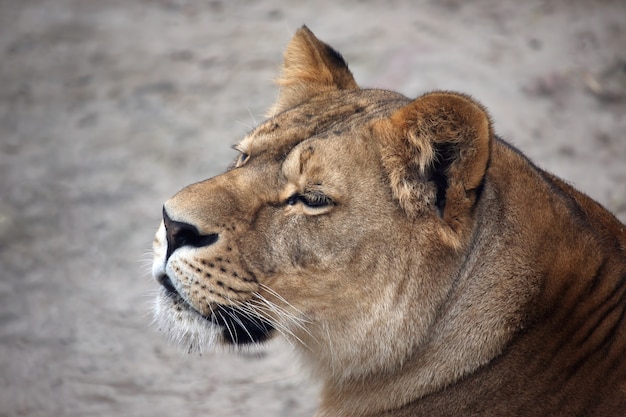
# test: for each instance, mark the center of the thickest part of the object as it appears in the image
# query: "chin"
(226, 327)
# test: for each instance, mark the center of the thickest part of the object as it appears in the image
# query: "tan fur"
(420, 265)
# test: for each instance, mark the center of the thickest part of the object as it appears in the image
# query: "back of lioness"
(419, 265)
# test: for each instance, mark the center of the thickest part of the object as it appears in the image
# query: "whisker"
(280, 297)
(252, 314)
(245, 310)
(233, 338)
(246, 125)
(273, 308)
(146, 257)
(299, 318)
(145, 263)
(257, 321)
(151, 294)
(258, 309)
(270, 379)
(295, 320)
(240, 323)
(252, 116)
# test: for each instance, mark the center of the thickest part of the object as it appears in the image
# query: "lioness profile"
(419, 264)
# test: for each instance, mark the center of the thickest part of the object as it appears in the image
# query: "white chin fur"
(186, 327)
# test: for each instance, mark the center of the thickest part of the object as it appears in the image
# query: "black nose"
(181, 234)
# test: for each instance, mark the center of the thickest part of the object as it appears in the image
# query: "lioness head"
(306, 235)
(366, 229)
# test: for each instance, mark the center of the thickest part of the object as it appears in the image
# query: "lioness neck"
(485, 353)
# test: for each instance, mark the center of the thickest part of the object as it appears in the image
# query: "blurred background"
(109, 107)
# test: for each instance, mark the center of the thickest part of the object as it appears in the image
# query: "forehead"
(330, 114)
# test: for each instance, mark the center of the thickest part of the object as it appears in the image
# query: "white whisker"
(330, 345)
(280, 297)
(280, 327)
(251, 313)
(232, 336)
(252, 117)
(151, 294)
(246, 125)
(285, 316)
(240, 323)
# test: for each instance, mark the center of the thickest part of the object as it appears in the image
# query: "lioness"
(419, 264)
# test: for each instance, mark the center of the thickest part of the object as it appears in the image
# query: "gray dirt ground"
(108, 107)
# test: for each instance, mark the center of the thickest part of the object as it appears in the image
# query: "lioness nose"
(181, 234)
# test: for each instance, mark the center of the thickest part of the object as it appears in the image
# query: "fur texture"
(419, 264)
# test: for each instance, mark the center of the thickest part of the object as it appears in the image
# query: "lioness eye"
(313, 200)
(243, 157)
(292, 200)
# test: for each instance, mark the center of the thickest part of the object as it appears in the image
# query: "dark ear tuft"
(335, 59)
(310, 67)
(444, 157)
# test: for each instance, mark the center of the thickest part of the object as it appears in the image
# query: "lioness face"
(330, 225)
(275, 243)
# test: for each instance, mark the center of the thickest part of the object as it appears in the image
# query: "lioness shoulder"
(420, 265)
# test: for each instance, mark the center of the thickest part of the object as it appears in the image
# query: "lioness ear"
(310, 67)
(436, 150)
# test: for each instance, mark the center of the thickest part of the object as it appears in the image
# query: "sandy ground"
(108, 107)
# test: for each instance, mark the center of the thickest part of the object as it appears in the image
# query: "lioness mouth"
(166, 282)
(238, 327)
